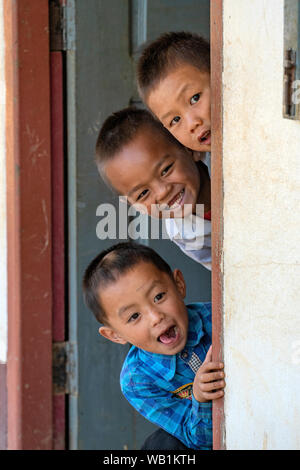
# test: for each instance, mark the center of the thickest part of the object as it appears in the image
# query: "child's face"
(155, 175)
(145, 307)
(181, 101)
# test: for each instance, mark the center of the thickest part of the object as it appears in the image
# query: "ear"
(197, 156)
(180, 282)
(110, 334)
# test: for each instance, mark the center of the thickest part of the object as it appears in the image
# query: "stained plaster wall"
(261, 233)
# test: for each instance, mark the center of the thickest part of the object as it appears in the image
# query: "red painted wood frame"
(58, 245)
(58, 229)
(29, 361)
(216, 37)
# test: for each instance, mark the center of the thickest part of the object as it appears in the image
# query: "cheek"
(142, 208)
(181, 135)
(206, 107)
(187, 139)
(189, 174)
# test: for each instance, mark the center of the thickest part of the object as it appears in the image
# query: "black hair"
(109, 265)
(165, 53)
(120, 128)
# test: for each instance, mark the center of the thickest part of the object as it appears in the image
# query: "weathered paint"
(58, 222)
(3, 238)
(29, 358)
(261, 170)
(3, 244)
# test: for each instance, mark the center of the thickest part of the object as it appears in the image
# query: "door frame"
(217, 190)
(29, 360)
(29, 258)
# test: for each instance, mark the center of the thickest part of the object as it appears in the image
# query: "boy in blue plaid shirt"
(168, 375)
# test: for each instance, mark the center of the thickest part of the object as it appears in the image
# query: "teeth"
(205, 135)
(178, 199)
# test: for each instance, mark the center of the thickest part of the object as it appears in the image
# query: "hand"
(208, 383)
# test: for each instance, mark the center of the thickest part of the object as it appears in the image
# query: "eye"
(165, 170)
(175, 120)
(195, 98)
(159, 296)
(142, 194)
(133, 317)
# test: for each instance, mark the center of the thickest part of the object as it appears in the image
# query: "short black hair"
(120, 128)
(109, 265)
(165, 53)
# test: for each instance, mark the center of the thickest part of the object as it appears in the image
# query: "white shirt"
(193, 236)
(193, 233)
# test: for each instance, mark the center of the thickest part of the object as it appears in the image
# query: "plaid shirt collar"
(165, 365)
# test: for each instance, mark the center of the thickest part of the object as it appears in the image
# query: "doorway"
(100, 79)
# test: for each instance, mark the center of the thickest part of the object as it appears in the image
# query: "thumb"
(208, 357)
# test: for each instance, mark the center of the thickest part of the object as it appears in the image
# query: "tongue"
(168, 336)
(206, 139)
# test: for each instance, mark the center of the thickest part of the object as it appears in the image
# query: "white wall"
(3, 247)
(261, 234)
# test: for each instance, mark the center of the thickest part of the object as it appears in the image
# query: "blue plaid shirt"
(160, 386)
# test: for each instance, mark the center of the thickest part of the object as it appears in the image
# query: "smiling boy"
(173, 76)
(142, 161)
(168, 375)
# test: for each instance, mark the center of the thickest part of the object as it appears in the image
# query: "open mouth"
(205, 138)
(169, 336)
(177, 200)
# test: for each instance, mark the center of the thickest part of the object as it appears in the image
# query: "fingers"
(208, 364)
(212, 395)
(212, 386)
(212, 390)
(209, 380)
(211, 366)
(211, 376)
(208, 356)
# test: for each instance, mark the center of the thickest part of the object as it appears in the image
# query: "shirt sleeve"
(198, 249)
(202, 256)
(188, 420)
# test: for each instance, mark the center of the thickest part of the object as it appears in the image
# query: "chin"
(180, 214)
(203, 148)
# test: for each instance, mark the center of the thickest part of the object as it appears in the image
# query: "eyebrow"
(122, 310)
(181, 91)
(152, 285)
(140, 185)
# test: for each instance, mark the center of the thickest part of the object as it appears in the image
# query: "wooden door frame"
(216, 39)
(28, 163)
(28, 150)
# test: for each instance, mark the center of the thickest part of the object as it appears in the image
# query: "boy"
(142, 161)
(173, 77)
(167, 375)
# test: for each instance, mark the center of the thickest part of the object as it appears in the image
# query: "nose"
(161, 192)
(193, 122)
(155, 317)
